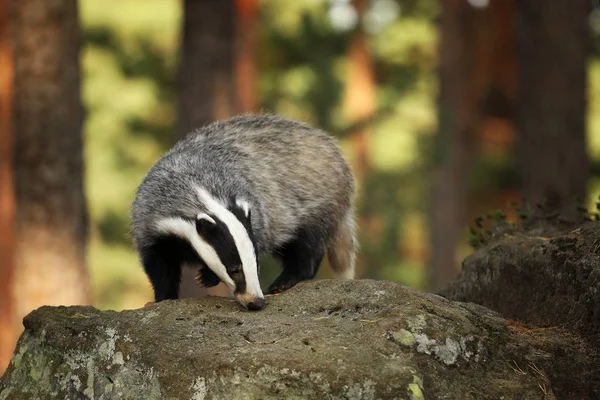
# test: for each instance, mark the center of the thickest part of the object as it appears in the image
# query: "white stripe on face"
(187, 231)
(242, 241)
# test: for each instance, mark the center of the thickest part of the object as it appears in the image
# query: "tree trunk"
(51, 218)
(360, 105)
(206, 84)
(8, 335)
(456, 119)
(247, 37)
(206, 70)
(360, 98)
(553, 46)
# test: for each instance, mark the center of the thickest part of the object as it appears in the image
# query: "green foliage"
(128, 60)
(490, 226)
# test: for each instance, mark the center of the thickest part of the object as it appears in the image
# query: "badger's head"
(221, 235)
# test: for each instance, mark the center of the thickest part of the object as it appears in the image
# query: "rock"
(544, 280)
(322, 339)
(548, 277)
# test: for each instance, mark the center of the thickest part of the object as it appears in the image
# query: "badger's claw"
(283, 283)
(277, 290)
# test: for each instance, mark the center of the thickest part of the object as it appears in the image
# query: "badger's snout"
(251, 303)
(257, 304)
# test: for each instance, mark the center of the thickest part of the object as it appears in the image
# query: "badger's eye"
(236, 269)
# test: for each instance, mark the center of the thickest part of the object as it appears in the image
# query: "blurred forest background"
(447, 109)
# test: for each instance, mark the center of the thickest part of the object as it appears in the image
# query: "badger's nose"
(257, 304)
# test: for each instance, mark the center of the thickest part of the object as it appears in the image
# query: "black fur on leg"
(301, 259)
(163, 261)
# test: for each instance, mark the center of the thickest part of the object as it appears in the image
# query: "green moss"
(5, 393)
(415, 392)
(416, 323)
(417, 380)
(35, 373)
(19, 356)
(404, 337)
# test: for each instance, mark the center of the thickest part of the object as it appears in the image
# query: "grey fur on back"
(292, 175)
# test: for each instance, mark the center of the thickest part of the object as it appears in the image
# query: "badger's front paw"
(277, 289)
(283, 283)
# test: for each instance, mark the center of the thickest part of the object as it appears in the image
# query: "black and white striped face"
(222, 237)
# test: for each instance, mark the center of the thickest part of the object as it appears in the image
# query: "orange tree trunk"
(247, 36)
(360, 99)
(7, 201)
(51, 218)
(359, 106)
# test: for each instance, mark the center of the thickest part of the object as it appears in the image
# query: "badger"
(237, 188)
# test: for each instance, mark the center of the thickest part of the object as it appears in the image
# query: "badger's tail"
(341, 253)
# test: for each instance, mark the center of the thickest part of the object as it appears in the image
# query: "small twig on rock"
(79, 316)
(518, 370)
(537, 370)
(248, 340)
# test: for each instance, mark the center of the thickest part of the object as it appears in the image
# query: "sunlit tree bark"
(206, 67)
(7, 201)
(206, 83)
(247, 36)
(360, 99)
(359, 105)
(51, 218)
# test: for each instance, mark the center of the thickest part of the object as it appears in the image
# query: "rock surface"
(546, 276)
(543, 277)
(320, 340)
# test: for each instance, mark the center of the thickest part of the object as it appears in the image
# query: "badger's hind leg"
(341, 253)
(300, 259)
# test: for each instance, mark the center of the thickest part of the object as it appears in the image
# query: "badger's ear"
(204, 223)
(243, 204)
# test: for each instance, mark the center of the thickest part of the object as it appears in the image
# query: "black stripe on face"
(246, 221)
(219, 237)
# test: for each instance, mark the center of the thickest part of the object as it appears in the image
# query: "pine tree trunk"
(51, 219)
(456, 119)
(359, 106)
(206, 70)
(360, 98)
(7, 200)
(246, 46)
(206, 84)
(553, 47)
